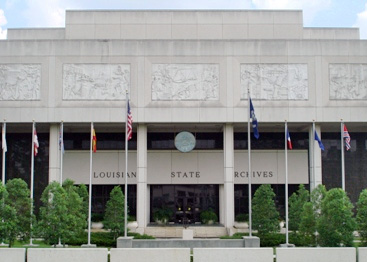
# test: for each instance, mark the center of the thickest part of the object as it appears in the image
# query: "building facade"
(185, 71)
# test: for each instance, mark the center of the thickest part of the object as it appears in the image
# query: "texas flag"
(289, 141)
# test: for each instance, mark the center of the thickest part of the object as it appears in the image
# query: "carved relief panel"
(348, 81)
(275, 81)
(185, 82)
(95, 81)
(20, 81)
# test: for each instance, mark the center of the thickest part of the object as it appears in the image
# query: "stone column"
(315, 159)
(142, 187)
(54, 154)
(227, 207)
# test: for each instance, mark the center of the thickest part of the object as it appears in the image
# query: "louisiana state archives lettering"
(255, 174)
(190, 174)
(113, 174)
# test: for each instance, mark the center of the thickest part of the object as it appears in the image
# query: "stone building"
(185, 71)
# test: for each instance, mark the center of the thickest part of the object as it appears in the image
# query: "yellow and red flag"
(94, 141)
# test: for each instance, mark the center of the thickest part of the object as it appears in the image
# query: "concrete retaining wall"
(233, 254)
(362, 254)
(149, 254)
(67, 254)
(316, 254)
(12, 254)
(195, 243)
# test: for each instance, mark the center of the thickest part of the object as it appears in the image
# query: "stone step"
(176, 232)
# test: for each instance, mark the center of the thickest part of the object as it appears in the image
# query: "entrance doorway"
(187, 211)
(185, 201)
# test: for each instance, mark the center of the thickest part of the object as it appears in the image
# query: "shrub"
(336, 223)
(307, 226)
(102, 239)
(208, 215)
(272, 239)
(362, 217)
(114, 218)
(53, 220)
(8, 218)
(317, 195)
(76, 218)
(163, 214)
(296, 202)
(241, 218)
(83, 193)
(19, 199)
(265, 217)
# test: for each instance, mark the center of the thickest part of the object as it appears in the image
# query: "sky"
(51, 13)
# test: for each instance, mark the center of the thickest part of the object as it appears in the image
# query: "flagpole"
(90, 181)
(249, 165)
(313, 184)
(32, 180)
(61, 150)
(4, 146)
(4, 151)
(126, 159)
(61, 146)
(286, 180)
(342, 151)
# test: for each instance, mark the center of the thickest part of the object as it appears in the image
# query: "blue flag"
(319, 141)
(254, 121)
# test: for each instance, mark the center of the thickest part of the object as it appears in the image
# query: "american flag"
(129, 122)
(346, 137)
(35, 142)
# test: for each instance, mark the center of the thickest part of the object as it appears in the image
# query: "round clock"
(185, 141)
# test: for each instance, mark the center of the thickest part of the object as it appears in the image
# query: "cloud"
(3, 22)
(362, 23)
(310, 7)
(40, 13)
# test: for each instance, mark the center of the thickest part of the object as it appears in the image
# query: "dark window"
(241, 197)
(270, 141)
(18, 161)
(204, 141)
(355, 163)
(101, 194)
(186, 201)
(105, 141)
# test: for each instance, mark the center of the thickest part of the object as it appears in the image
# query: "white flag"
(4, 145)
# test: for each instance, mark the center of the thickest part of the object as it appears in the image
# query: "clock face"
(185, 141)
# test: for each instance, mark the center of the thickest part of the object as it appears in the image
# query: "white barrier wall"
(67, 254)
(337, 254)
(150, 254)
(12, 254)
(362, 254)
(233, 254)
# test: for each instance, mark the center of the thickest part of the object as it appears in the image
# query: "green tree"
(296, 202)
(8, 218)
(53, 220)
(362, 217)
(336, 223)
(317, 195)
(83, 193)
(19, 199)
(114, 218)
(307, 225)
(76, 218)
(265, 217)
